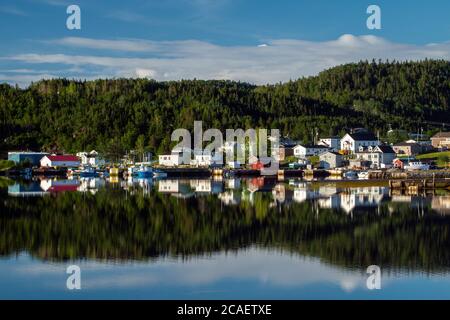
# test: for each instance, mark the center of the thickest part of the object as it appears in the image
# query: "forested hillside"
(122, 114)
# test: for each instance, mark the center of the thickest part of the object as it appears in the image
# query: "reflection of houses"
(304, 193)
(207, 186)
(363, 197)
(233, 183)
(260, 184)
(91, 184)
(441, 204)
(50, 185)
(32, 189)
(230, 197)
(282, 194)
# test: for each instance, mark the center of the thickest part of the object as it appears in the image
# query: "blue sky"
(250, 40)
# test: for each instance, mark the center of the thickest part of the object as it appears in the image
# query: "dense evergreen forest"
(112, 116)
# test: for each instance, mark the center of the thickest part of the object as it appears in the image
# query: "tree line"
(115, 115)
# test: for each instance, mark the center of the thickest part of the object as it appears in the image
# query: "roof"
(312, 146)
(332, 152)
(405, 144)
(333, 137)
(63, 158)
(363, 136)
(386, 149)
(441, 135)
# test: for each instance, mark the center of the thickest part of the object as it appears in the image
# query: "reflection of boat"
(363, 175)
(350, 174)
(88, 172)
(144, 172)
(159, 174)
(416, 165)
(132, 171)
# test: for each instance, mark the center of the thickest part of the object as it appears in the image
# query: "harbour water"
(221, 239)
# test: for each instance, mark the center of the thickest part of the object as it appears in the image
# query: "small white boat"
(417, 165)
(363, 175)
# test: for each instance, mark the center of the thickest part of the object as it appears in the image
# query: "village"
(358, 154)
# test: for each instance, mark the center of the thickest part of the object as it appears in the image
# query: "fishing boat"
(363, 175)
(350, 174)
(88, 172)
(144, 172)
(416, 165)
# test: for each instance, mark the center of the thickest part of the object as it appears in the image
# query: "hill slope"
(113, 115)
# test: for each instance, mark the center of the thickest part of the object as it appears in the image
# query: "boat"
(417, 165)
(144, 172)
(350, 174)
(159, 174)
(88, 172)
(363, 175)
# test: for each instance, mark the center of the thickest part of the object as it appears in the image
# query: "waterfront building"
(330, 160)
(303, 151)
(60, 161)
(352, 141)
(379, 156)
(333, 143)
(33, 158)
(441, 140)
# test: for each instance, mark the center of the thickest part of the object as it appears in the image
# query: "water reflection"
(139, 219)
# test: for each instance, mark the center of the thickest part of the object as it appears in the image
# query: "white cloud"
(280, 60)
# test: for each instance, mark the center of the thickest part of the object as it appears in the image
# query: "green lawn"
(433, 155)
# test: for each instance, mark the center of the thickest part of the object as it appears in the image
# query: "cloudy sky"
(257, 41)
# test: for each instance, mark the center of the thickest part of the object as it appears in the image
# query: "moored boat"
(416, 165)
(144, 172)
(363, 175)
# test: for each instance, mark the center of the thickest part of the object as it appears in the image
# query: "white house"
(333, 143)
(303, 151)
(178, 157)
(379, 156)
(206, 159)
(330, 160)
(352, 141)
(65, 161)
(169, 186)
(91, 159)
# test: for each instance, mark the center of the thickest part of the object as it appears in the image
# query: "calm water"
(208, 239)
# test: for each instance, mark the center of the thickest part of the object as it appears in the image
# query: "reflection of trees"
(116, 225)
